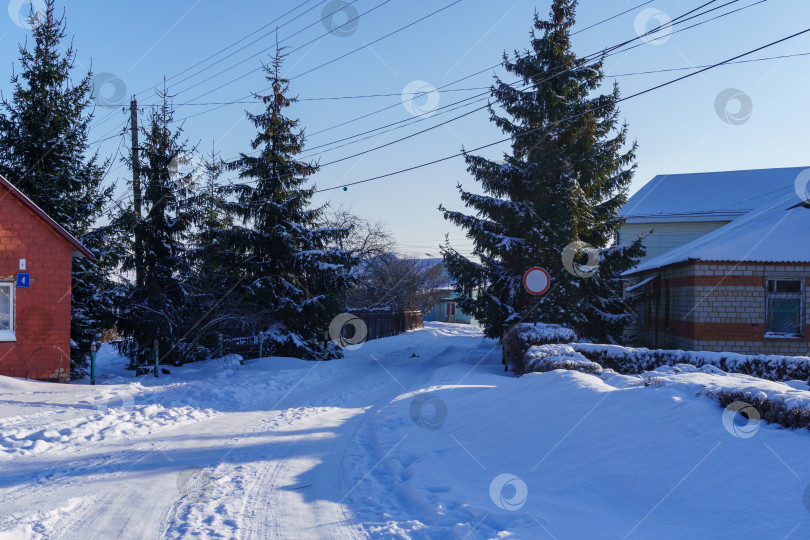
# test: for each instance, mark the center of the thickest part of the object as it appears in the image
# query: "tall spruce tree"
(159, 309)
(563, 182)
(286, 271)
(44, 152)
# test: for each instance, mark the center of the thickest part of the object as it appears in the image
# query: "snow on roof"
(640, 284)
(725, 194)
(777, 232)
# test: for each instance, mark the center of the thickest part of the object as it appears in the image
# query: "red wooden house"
(36, 256)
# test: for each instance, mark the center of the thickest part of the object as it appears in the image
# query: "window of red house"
(7, 312)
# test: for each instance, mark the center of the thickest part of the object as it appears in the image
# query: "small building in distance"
(445, 304)
(36, 258)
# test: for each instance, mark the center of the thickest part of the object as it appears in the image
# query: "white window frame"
(9, 335)
(799, 295)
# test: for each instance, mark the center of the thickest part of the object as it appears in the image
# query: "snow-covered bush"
(522, 336)
(773, 411)
(543, 358)
(629, 360)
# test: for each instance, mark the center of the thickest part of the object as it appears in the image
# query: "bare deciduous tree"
(366, 238)
(389, 281)
(385, 280)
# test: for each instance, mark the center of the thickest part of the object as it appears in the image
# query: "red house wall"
(42, 312)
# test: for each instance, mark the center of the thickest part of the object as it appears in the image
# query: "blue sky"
(698, 124)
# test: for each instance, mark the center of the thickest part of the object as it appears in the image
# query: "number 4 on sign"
(536, 281)
(23, 280)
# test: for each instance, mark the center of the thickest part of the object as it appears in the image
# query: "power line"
(613, 17)
(304, 3)
(285, 39)
(667, 70)
(614, 50)
(593, 58)
(112, 113)
(308, 153)
(607, 52)
(446, 122)
(440, 88)
(673, 81)
(381, 4)
(365, 46)
(247, 36)
(470, 89)
(598, 54)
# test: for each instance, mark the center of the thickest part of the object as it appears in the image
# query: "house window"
(7, 312)
(784, 308)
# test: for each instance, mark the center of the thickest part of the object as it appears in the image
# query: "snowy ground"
(417, 436)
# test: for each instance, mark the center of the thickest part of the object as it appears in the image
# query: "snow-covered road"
(417, 436)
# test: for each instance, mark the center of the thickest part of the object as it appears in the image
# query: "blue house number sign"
(23, 280)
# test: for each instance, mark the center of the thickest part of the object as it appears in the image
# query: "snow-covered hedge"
(520, 337)
(773, 411)
(543, 358)
(629, 360)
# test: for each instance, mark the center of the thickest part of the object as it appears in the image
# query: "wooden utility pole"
(136, 191)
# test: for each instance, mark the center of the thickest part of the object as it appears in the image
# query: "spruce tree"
(211, 218)
(210, 268)
(563, 182)
(286, 272)
(160, 308)
(44, 152)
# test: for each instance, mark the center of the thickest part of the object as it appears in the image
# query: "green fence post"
(157, 356)
(92, 362)
(261, 342)
(221, 344)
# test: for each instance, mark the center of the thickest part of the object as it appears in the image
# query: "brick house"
(741, 288)
(36, 257)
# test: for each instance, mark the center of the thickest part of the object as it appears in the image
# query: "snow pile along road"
(418, 436)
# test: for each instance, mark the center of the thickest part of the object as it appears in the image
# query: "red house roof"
(28, 203)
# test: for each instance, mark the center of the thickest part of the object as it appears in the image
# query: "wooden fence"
(379, 324)
(382, 324)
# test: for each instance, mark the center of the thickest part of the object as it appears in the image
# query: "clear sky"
(743, 116)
